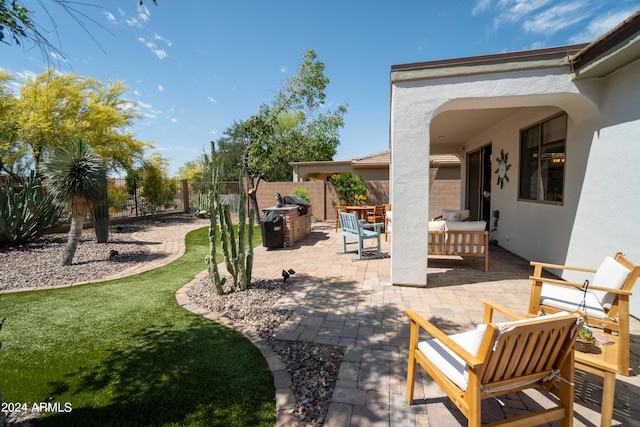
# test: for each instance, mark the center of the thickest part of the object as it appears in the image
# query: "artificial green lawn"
(124, 353)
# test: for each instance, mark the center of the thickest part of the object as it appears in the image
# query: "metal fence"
(128, 202)
(199, 195)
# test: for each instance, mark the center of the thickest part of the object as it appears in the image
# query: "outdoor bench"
(463, 239)
(359, 231)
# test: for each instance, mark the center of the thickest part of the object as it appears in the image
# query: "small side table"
(605, 365)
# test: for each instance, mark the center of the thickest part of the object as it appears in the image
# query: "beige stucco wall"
(530, 229)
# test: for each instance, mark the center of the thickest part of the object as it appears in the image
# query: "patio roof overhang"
(612, 51)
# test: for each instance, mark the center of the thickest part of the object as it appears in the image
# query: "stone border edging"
(285, 398)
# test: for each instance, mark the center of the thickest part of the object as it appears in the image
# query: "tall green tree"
(295, 127)
(76, 176)
(55, 108)
(10, 153)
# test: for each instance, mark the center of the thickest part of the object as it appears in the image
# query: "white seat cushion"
(437, 225)
(448, 362)
(570, 299)
(610, 274)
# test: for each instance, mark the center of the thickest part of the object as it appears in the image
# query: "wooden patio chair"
(604, 299)
(377, 215)
(499, 358)
(339, 208)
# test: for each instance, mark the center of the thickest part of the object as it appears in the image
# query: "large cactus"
(238, 251)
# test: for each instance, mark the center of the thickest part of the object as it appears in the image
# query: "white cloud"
(481, 6)
(143, 13)
(516, 10)
(110, 17)
(174, 120)
(213, 132)
(600, 25)
(557, 18)
(283, 69)
(161, 88)
(212, 100)
(160, 38)
(160, 53)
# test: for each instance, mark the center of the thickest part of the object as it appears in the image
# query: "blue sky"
(196, 67)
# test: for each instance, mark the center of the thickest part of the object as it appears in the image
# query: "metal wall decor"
(503, 167)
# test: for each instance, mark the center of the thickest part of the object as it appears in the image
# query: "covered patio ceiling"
(458, 126)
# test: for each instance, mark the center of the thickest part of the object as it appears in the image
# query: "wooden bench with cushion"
(463, 239)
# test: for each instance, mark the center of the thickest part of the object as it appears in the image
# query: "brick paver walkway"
(352, 303)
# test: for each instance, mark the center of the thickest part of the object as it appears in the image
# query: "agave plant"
(27, 214)
(77, 178)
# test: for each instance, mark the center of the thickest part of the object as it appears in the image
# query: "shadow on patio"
(352, 303)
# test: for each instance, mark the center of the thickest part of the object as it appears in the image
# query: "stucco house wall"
(415, 104)
(598, 214)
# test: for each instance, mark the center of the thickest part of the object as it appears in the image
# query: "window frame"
(541, 144)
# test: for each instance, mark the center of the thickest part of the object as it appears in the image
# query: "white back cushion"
(466, 226)
(610, 274)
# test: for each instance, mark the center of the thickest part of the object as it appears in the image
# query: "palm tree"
(77, 177)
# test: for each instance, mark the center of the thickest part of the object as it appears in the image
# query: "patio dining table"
(361, 211)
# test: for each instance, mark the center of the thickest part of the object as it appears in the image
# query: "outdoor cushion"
(437, 225)
(448, 362)
(570, 299)
(453, 215)
(452, 366)
(610, 274)
(466, 226)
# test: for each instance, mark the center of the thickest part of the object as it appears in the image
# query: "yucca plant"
(27, 214)
(77, 178)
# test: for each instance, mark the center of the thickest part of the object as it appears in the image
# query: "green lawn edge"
(124, 353)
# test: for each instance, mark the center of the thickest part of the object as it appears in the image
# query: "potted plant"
(586, 341)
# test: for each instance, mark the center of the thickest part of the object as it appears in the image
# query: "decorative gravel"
(313, 367)
(41, 260)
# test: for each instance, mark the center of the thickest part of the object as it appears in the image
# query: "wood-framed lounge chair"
(604, 299)
(499, 358)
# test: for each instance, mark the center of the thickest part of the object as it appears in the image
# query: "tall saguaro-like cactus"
(237, 250)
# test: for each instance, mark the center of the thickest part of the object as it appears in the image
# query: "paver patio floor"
(352, 303)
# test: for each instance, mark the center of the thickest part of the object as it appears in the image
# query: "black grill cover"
(303, 205)
(272, 225)
(296, 200)
(270, 216)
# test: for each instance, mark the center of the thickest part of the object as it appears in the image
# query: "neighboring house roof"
(381, 159)
(372, 160)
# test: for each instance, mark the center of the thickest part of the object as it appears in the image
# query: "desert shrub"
(27, 214)
(349, 187)
(302, 192)
(117, 196)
